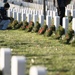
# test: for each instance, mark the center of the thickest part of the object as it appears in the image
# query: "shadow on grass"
(1, 41)
(58, 70)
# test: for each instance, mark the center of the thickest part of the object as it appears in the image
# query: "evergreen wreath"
(13, 24)
(59, 32)
(42, 29)
(36, 27)
(30, 26)
(25, 23)
(18, 25)
(68, 36)
(50, 30)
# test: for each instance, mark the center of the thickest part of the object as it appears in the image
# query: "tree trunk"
(67, 2)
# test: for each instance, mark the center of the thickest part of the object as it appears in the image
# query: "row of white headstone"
(69, 8)
(24, 15)
(49, 5)
(21, 16)
(16, 65)
(52, 13)
(31, 11)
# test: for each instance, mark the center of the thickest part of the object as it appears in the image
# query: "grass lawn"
(45, 51)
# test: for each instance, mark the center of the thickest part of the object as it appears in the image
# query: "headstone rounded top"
(65, 17)
(22, 58)
(73, 18)
(37, 70)
(5, 49)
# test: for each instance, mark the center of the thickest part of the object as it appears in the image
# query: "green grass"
(45, 51)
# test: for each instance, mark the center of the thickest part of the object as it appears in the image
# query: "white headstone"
(51, 14)
(22, 10)
(19, 16)
(51, 7)
(46, 7)
(48, 20)
(73, 13)
(29, 17)
(48, 12)
(41, 12)
(41, 20)
(18, 65)
(72, 6)
(37, 70)
(23, 16)
(15, 15)
(14, 10)
(55, 13)
(5, 61)
(65, 24)
(10, 13)
(73, 24)
(27, 11)
(11, 9)
(67, 12)
(35, 18)
(36, 12)
(31, 12)
(56, 21)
